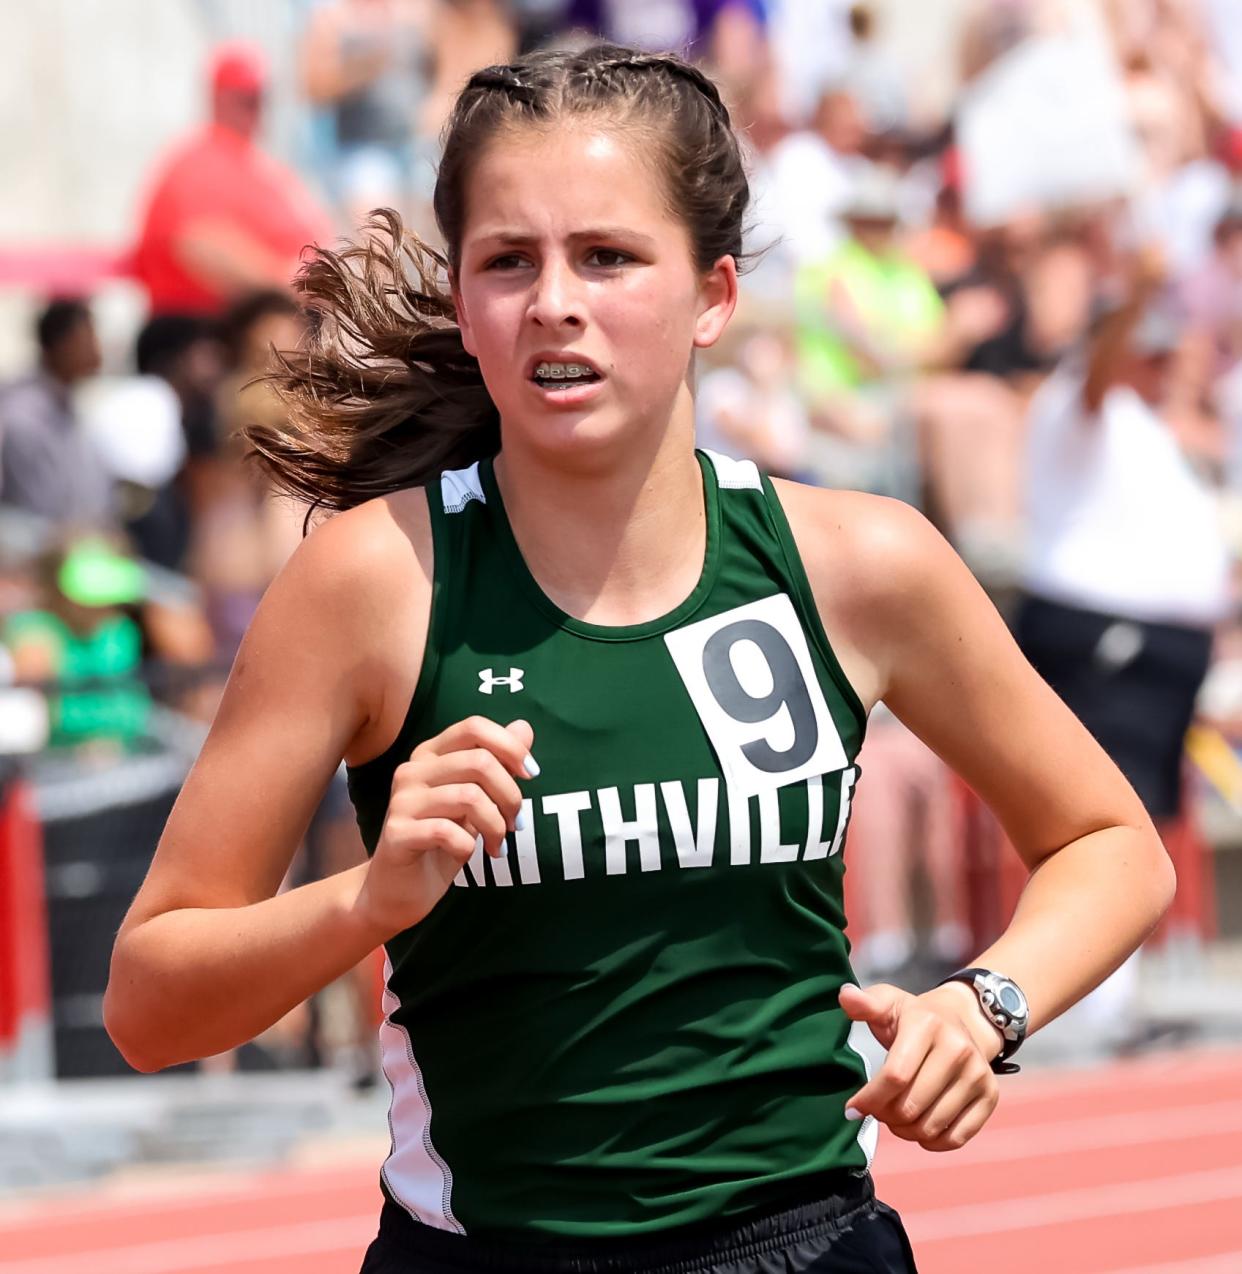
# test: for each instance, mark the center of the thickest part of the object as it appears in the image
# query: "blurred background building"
(998, 274)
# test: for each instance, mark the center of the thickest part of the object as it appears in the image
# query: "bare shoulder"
(359, 587)
(876, 529)
(360, 551)
(319, 675)
(913, 627)
(874, 564)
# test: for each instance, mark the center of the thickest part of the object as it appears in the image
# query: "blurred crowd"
(1015, 303)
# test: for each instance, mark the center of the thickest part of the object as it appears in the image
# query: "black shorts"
(847, 1232)
(1131, 683)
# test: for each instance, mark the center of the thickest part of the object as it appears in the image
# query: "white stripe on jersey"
(862, 1042)
(459, 486)
(735, 474)
(414, 1173)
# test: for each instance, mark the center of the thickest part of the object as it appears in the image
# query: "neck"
(616, 543)
(63, 384)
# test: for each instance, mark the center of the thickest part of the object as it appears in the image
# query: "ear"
(463, 320)
(717, 301)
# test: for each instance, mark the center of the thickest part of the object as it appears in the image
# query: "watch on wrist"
(1004, 1005)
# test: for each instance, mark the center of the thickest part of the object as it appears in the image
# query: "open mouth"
(563, 376)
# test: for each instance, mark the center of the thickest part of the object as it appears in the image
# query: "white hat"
(875, 194)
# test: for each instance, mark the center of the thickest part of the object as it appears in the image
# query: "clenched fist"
(455, 788)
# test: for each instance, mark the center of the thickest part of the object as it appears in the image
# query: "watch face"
(1010, 1000)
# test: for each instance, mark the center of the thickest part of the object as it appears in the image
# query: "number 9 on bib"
(752, 680)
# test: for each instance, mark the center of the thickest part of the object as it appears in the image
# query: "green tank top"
(630, 1022)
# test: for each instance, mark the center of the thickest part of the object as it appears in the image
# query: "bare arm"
(1107, 354)
(917, 631)
(1100, 878)
(208, 956)
(947, 666)
(224, 257)
(971, 316)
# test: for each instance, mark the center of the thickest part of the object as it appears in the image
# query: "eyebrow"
(518, 239)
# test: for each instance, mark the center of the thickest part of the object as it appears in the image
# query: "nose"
(556, 299)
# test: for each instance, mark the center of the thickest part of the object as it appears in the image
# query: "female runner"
(600, 697)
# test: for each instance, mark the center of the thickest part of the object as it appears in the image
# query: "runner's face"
(570, 251)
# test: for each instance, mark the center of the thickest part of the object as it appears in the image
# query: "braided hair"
(383, 394)
(675, 103)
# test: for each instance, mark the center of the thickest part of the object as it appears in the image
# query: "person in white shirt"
(1128, 571)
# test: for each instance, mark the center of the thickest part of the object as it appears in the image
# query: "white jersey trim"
(415, 1174)
(735, 474)
(863, 1043)
(459, 486)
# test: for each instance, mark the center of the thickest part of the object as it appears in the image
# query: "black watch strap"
(1003, 1004)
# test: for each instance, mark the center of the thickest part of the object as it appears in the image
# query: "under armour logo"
(487, 682)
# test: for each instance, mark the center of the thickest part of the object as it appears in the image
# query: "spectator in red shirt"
(223, 218)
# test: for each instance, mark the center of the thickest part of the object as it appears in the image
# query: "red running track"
(1132, 1168)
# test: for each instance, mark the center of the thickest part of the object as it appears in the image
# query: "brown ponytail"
(383, 395)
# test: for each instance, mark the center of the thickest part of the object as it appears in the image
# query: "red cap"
(239, 68)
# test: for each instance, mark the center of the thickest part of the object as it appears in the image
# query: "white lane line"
(1225, 1263)
(1158, 1195)
(174, 1256)
(1003, 1145)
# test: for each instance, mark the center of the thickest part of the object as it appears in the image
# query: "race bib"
(750, 676)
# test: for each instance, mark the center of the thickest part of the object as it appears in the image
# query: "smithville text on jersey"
(636, 837)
